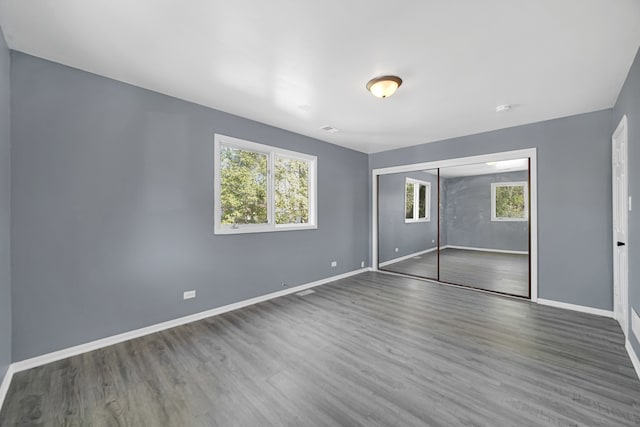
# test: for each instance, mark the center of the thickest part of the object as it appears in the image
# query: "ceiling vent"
(330, 129)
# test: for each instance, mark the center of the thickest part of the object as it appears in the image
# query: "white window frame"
(495, 185)
(272, 153)
(416, 199)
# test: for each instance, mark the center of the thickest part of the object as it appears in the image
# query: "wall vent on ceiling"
(330, 129)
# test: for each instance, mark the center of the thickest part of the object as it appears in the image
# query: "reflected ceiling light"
(509, 164)
(385, 86)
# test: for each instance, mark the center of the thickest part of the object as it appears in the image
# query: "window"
(260, 188)
(509, 201)
(417, 200)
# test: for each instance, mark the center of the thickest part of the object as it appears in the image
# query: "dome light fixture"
(385, 86)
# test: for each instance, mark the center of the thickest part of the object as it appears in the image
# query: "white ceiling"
(301, 64)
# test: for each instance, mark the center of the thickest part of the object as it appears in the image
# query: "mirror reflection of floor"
(499, 272)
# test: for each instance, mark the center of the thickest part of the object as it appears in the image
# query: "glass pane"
(510, 201)
(292, 191)
(477, 250)
(408, 205)
(243, 182)
(422, 202)
(406, 245)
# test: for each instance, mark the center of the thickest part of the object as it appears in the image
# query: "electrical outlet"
(189, 294)
(362, 264)
(334, 263)
(433, 240)
(396, 249)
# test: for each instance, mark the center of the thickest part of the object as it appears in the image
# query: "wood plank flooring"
(371, 350)
(491, 271)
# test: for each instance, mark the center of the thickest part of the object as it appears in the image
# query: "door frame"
(531, 153)
(622, 317)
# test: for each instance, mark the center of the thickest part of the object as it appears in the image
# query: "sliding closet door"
(484, 238)
(408, 223)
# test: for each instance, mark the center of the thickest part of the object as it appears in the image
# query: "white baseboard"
(115, 339)
(6, 382)
(574, 307)
(500, 251)
(633, 356)
(402, 258)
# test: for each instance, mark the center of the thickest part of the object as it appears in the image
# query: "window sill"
(263, 229)
(414, 221)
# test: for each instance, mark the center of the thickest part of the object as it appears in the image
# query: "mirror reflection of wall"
(408, 223)
(484, 226)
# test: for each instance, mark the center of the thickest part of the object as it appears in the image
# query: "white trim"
(633, 356)
(115, 339)
(469, 248)
(575, 307)
(524, 186)
(6, 382)
(458, 161)
(402, 258)
(271, 153)
(531, 153)
(620, 212)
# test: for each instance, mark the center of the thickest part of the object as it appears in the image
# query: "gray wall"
(5, 210)
(574, 198)
(113, 210)
(467, 214)
(394, 233)
(629, 103)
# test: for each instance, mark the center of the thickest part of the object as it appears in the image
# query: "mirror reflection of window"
(509, 201)
(417, 200)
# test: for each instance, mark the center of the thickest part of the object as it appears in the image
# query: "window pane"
(422, 201)
(408, 204)
(292, 191)
(510, 201)
(243, 186)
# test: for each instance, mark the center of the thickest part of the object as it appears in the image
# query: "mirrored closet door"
(408, 223)
(466, 225)
(484, 226)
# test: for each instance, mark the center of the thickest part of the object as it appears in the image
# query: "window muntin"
(259, 188)
(417, 200)
(509, 201)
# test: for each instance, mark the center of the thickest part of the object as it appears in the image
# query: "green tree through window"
(292, 191)
(262, 188)
(509, 201)
(243, 195)
(408, 206)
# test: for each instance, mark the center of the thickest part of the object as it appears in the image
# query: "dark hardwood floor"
(371, 350)
(491, 271)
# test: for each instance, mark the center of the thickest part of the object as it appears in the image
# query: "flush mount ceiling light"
(385, 86)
